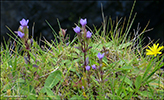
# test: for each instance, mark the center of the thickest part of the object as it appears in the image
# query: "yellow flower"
(103, 65)
(154, 50)
(84, 95)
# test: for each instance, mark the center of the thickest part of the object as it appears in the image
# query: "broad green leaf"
(126, 68)
(49, 92)
(145, 94)
(128, 81)
(138, 82)
(53, 79)
(43, 90)
(129, 89)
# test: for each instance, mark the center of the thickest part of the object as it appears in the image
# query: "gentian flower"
(87, 68)
(20, 34)
(77, 29)
(94, 66)
(89, 34)
(154, 50)
(23, 22)
(83, 22)
(100, 56)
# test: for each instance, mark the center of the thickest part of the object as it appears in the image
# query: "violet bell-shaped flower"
(87, 68)
(20, 34)
(24, 23)
(89, 34)
(100, 56)
(77, 29)
(94, 66)
(83, 22)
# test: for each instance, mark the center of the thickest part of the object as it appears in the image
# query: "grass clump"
(98, 64)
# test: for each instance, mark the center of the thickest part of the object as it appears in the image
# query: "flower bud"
(89, 34)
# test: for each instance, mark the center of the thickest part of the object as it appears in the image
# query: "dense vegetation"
(106, 63)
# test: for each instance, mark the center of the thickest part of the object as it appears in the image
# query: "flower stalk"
(23, 33)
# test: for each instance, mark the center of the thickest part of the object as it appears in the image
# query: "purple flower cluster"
(22, 27)
(77, 29)
(88, 67)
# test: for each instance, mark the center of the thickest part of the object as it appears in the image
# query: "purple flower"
(20, 34)
(89, 34)
(87, 68)
(83, 22)
(77, 29)
(94, 66)
(100, 56)
(23, 22)
(82, 87)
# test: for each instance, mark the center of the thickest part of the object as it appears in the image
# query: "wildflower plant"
(83, 36)
(102, 64)
(23, 33)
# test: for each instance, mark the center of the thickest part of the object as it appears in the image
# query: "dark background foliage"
(69, 12)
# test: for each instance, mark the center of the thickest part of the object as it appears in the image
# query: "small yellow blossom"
(154, 50)
(8, 92)
(84, 95)
(103, 65)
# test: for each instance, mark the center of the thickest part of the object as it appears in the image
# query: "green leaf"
(28, 91)
(128, 81)
(126, 68)
(138, 82)
(121, 86)
(145, 94)
(43, 90)
(129, 89)
(49, 92)
(53, 79)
